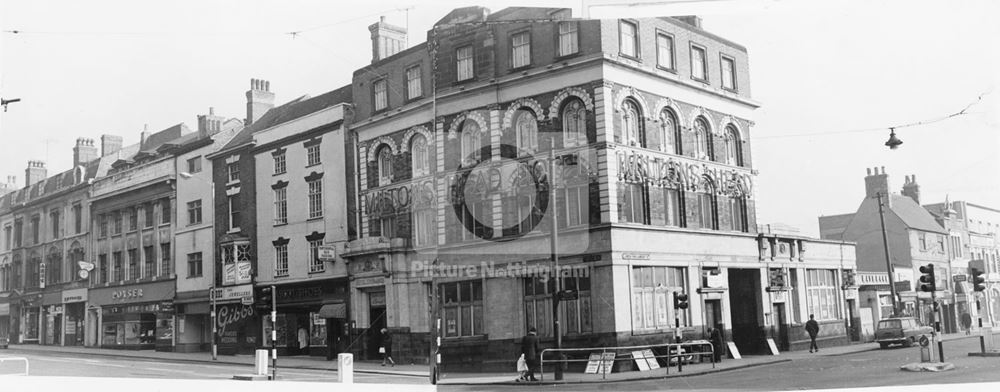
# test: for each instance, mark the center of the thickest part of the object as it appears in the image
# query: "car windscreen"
(886, 324)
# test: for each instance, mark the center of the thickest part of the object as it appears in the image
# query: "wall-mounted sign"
(635, 256)
(327, 253)
(83, 274)
(126, 294)
(682, 173)
(75, 295)
(233, 293)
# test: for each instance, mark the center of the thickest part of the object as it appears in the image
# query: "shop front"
(74, 305)
(136, 317)
(194, 325)
(52, 316)
(30, 318)
(311, 318)
(4, 322)
(237, 320)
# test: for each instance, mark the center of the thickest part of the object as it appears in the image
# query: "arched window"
(703, 140)
(670, 133)
(16, 282)
(632, 125)
(734, 154)
(574, 124)
(526, 128)
(34, 269)
(424, 229)
(472, 141)
(419, 156)
(704, 210)
(738, 209)
(384, 166)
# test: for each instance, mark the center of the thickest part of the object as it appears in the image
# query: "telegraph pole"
(888, 259)
(554, 248)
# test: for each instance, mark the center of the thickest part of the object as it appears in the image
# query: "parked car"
(900, 330)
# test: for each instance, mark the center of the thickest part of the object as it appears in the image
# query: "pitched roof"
(913, 215)
(297, 108)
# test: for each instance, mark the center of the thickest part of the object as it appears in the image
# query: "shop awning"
(333, 311)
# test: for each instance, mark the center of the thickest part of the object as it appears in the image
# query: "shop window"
(821, 293)
(652, 297)
(576, 312)
(463, 308)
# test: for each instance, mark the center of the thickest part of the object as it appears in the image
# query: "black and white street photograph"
(493, 195)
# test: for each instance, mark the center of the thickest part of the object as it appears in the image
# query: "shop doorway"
(57, 329)
(745, 310)
(780, 328)
(713, 314)
(852, 322)
(376, 315)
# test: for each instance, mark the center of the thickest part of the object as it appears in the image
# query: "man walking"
(967, 323)
(529, 347)
(812, 327)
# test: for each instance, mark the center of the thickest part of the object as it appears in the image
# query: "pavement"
(451, 378)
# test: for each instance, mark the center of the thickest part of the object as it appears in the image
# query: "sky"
(831, 78)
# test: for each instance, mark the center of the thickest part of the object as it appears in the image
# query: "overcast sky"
(831, 78)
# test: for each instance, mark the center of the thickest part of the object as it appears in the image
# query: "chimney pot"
(211, 111)
(387, 39)
(869, 170)
(260, 99)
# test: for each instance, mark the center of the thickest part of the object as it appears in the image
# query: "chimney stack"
(260, 99)
(877, 183)
(209, 124)
(387, 39)
(34, 173)
(143, 136)
(911, 189)
(110, 144)
(84, 151)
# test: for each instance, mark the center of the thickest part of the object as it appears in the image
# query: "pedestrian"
(529, 348)
(812, 327)
(967, 323)
(715, 336)
(303, 338)
(386, 348)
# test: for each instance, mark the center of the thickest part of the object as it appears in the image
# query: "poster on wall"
(229, 273)
(243, 272)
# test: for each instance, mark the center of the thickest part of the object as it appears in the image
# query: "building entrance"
(376, 314)
(745, 310)
(780, 330)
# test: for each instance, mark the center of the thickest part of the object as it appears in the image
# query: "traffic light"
(927, 282)
(263, 299)
(978, 281)
(680, 300)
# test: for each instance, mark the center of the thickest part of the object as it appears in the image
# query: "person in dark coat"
(715, 336)
(967, 323)
(812, 327)
(529, 347)
(386, 347)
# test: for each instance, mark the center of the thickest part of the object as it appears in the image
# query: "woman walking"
(386, 347)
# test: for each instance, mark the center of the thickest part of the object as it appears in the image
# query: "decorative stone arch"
(375, 147)
(555, 108)
(456, 123)
(404, 145)
(630, 92)
(508, 116)
(667, 103)
(697, 112)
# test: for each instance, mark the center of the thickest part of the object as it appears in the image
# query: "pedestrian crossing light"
(264, 299)
(978, 281)
(927, 278)
(680, 300)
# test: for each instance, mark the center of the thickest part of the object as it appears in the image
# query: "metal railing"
(7, 359)
(674, 350)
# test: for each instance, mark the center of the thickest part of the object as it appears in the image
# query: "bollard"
(260, 362)
(925, 350)
(345, 368)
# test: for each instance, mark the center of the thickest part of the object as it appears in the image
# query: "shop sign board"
(327, 253)
(148, 292)
(75, 295)
(233, 293)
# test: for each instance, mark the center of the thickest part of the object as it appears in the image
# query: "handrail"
(673, 350)
(4, 359)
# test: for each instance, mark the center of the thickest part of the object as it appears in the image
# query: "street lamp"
(212, 290)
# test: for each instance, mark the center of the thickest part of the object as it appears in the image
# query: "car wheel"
(883, 345)
(908, 342)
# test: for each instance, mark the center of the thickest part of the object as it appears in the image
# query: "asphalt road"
(76, 365)
(866, 369)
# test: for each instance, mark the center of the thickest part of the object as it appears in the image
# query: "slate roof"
(299, 107)
(913, 215)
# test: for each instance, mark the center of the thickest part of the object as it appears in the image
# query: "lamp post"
(888, 259)
(554, 250)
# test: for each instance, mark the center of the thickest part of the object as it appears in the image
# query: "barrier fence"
(13, 359)
(675, 353)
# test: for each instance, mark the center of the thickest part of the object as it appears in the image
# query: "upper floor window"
(381, 94)
(734, 154)
(194, 165)
(472, 141)
(628, 38)
(165, 213)
(526, 128)
(18, 232)
(670, 132)
(568, 39)
(632, 203)
(728, 73)
(699, 67)
(738, 209)
(384, 166)
(574, 124)
(148, 208)
(413, 87)
(633, 128)
(520, 44)
(194, 264)
(463, 63)
(280, 206)
(36, 227)
(665, 207)
(703, 140)
(8, 237)
(279, 164)
(281, 259)
(133, 218)
(315, 264)
(102, 225)
(315, 198)
(463, 308)
(194, 212)
(419, 155)
(312, 155)
(117, 218)
(234, 212)
(54, 221)
(234, 171)
(77, 218)
(665, 51)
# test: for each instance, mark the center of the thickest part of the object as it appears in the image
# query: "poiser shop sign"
(126, 294)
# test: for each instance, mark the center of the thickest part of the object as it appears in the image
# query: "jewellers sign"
(233, 293)
(637, 166)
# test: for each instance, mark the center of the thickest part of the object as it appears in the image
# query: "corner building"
(639, 126)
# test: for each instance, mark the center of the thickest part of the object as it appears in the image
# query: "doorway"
(745, 310)
(713, 314)
(377, 321)
(780, 329)
(852, 322)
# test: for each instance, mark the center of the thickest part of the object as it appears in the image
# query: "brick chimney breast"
(260, 99)
(34, 173)
(110, 144)
(84, 151)
(387, 39)
(209, 124)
